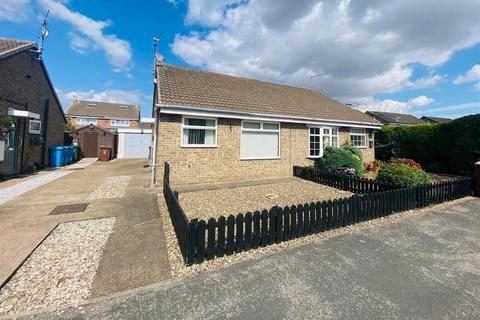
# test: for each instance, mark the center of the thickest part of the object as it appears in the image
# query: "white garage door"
(135, 145)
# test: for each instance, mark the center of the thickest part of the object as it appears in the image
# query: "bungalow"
(394, 119)
(31, 116)
(215, 127)
(428, 119)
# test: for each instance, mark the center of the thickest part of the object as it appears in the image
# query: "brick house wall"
(198, 165)
(25, 86)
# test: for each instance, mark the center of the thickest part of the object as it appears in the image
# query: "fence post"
(477, 179)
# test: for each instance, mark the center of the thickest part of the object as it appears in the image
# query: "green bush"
(448, 147)
(345, 157)
(403, 174)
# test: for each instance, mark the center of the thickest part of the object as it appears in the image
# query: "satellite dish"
(159, 58)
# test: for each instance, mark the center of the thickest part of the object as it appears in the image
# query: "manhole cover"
(271, 196)
(70, 208)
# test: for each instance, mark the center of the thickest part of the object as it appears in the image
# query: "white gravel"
(113, 187)
(61, 269)
(14, 191)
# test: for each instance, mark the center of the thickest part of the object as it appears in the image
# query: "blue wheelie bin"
(69, 154)
(55, 156)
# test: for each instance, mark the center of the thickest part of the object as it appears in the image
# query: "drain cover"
(70, 208)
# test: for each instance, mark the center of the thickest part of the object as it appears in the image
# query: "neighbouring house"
(107, 115)
(31, 116)
(394, 119)
(214, 127)
(131, 136)
(436, 119)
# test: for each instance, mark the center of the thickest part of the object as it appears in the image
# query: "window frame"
(39, 131)
(78, 122)
(364, 134)
(278, 131)
(184, 126)
(321, 134)
(120, 126)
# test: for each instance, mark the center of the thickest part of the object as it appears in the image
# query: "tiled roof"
(194, 88)
(11, 45)
(104, 109)
(436, 119)
(395, 118)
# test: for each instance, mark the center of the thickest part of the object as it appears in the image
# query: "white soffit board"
(23, 114)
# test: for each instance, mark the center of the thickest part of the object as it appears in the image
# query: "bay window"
(320, 138)
(199, 132)
(260, 140)
(358, 137)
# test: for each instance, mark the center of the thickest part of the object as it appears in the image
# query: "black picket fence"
(341, 181)
(177, 215)
(202, 240)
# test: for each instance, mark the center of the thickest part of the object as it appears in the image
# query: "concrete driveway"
(136, 244)
(423, 267)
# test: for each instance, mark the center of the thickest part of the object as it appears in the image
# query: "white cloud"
(420, 101)
(386, 105)
(14, 10)
(117, 51)
(367, 47)
(472, 75)
(110, 95)
(389, 105)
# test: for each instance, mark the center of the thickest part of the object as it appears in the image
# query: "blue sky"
(378, 55)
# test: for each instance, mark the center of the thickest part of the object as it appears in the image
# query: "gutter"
(178, 109)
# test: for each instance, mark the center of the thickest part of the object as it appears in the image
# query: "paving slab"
(426, 266)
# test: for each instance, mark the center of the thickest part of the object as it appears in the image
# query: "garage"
(134, 143)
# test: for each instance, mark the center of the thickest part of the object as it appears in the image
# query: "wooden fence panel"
(248, 231)
(239, 243)
(230, 235)
(211, 245)
(257, 235)
(264, 237)
(221, 236)
(201, 241)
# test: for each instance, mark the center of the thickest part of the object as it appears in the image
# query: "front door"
(11, 144)
(90, 145)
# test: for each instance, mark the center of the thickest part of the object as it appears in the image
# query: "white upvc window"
(320, 138)
(86, 121)
(119, 123)
(199, 132)
(260, 140)
(358, 137)
(35, 127)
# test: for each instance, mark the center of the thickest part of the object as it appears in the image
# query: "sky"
(420, 57)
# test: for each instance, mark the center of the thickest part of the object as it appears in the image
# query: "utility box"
(105, 153)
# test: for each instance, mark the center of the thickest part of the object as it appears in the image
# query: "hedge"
(449, 147)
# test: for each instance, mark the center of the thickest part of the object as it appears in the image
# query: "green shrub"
(345, 157)
(403, 174)
(448, 147)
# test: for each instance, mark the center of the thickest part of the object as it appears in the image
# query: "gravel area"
(61, 269)
(206, 204)
(14, 191)
(178, 268)
(113, 187)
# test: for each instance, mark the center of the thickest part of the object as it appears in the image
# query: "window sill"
(266, 158)
(198, 146)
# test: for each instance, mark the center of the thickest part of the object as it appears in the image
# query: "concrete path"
(25, 221)
(424, 267)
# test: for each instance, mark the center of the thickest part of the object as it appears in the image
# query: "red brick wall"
(24, 86)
